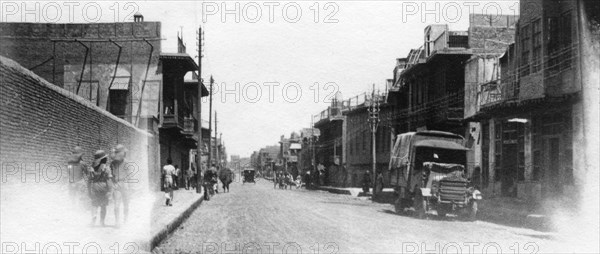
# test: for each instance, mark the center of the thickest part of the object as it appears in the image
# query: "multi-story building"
(289, 152)
(539, 116)
(329, 148)
(268, 160)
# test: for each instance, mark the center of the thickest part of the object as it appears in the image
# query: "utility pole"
(374, 122)
(199, 116)
(209, 164)
(216, 142)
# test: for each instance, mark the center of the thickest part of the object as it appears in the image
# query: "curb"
(334, 190)
(174, 224)
(517, 219)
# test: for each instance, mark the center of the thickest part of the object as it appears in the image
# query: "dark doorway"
(553, 166)
(510, 158)
(509, 169)
(117, 102)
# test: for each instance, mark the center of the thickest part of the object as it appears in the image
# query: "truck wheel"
(442, 210)
(420, 205)
(473, 211)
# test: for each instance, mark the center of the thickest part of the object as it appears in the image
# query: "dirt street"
(255, 218)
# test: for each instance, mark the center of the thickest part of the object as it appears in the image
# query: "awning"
(187, 63)
(442, 144)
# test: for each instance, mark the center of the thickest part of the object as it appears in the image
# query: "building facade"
(535, 115)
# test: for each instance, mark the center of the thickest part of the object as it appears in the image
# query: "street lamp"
(374, 123)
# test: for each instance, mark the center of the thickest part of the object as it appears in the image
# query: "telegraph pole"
(374, 122)
(209, 164)
(199, 116)
(216, 142)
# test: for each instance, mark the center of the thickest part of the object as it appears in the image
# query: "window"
(525, 48)
(537, 148)
(566, 31)
(485, 152)
(118, 102)
(537, 45)
(553, 45)
(553, 35)
(498, 150)
(566, 40)
(364, 141)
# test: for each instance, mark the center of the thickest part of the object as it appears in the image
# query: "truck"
(427, 171)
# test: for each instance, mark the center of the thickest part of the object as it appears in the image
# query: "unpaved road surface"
(255, 218)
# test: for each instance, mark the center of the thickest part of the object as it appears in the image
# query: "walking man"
(78, 176)
(100, 185)
(168, 172)
(189, 173)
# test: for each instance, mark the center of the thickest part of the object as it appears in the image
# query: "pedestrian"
(214, 180)
(226, 178)
(366, 181)
(307, 179)
(196, 173)
(168, 173)
(123, 184)
(100, 185)
(206, 184)
(281, 179)
(176, 175)
(379, 182)
(189, 173)
(321, 171)
(78, 176)
(298, 181)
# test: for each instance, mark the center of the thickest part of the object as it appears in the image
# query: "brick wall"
(40, 123)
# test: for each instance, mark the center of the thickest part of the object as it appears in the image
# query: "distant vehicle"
(248, 175)
(427, 170)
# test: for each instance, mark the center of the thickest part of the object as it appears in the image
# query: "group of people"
(103, 181)
(171, 176)
(367, 182)
(285, 179)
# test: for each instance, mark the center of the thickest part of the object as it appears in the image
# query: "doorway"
(553, 174)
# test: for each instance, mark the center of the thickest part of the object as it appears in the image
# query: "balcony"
(172, 117)
(331, 113)
(450, 41)
(495, 92)
(190, 126)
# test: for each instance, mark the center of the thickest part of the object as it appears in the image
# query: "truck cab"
(427, 170)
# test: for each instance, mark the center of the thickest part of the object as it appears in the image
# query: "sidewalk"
(41, 217)
(355, 192)
(165, 219)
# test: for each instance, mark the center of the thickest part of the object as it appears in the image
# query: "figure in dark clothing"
(100, 178)
(225, 175)
(379, 183)
(209, 176)
(307, 179)
(366, 181)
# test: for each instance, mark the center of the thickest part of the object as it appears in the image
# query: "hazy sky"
(287, 65)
